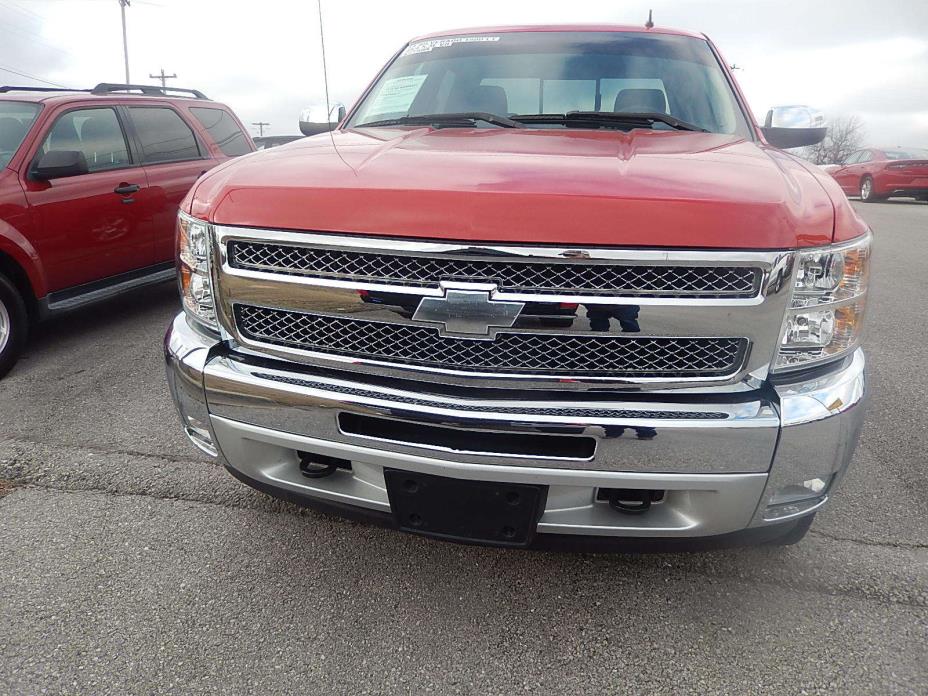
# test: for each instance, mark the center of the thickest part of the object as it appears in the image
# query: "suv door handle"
(126, 189)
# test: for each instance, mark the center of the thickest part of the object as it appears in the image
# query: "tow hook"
(319, 465)
(630, 501)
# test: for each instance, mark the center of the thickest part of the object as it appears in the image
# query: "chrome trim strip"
(104, 293)
(495, 252)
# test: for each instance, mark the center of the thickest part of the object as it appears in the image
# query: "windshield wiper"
(463, 119)
(612, 117)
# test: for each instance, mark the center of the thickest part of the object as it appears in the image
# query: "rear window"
(16, 119)
(223, 129)
(164, 135)
(913, 153)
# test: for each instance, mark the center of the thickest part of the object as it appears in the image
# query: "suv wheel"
(866, 190)
(13, 325)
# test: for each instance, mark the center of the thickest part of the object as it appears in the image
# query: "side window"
(163, 134)
(865, 156)
(96, 133)
(852, 159)
(223, 129)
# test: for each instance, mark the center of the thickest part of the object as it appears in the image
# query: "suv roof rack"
(150, 90)
(17, 88)
(111, 88)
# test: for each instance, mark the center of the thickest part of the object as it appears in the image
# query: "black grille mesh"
(617, 280)
(536, 353)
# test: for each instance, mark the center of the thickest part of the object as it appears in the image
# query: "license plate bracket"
(483, 512)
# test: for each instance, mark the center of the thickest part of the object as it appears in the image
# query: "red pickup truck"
(539, 284)
(90, 182)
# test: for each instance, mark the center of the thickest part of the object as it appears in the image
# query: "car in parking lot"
(538, 283)
(876, 174)
(263, 142)
(90, 182)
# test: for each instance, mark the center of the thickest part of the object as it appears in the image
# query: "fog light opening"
(198, 433)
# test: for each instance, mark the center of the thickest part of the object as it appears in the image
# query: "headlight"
(827, 303)
(193, 245)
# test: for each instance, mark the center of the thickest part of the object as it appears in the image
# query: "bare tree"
(845, 135)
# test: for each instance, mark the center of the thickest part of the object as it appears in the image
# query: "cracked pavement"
(130, 563)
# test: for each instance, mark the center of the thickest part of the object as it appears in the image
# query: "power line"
(164, 78)
(261, 125)
(27, 33)
(31, 77)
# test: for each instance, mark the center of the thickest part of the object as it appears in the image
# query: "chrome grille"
(537, 277)
(514, 352)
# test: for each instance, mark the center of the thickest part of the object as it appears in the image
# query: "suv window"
(95, 132)
(223, 129)
(163, 134)
(15, 121)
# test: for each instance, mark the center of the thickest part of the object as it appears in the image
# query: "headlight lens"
(193, 243)
(827, 305)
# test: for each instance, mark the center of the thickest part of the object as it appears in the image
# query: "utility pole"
(164, 78)
(123, 4)
(261, 125)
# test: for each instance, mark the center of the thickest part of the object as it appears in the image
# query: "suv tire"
(13, 325)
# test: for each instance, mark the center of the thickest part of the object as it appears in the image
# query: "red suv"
(90, 182)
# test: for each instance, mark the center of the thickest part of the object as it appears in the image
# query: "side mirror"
(318, 119)
(57, 164)
(794, 126)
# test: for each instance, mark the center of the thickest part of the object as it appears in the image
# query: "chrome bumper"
(724, 466)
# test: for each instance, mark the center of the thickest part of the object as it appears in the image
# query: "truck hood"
(641, 188)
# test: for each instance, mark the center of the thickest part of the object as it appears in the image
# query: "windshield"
(528, 73)
(15, 120)
(911, 153)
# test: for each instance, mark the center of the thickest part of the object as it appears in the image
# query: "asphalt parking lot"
(131, 564)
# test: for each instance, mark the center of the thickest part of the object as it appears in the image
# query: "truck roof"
(560, 27)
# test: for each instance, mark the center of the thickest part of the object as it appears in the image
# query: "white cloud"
(263, 58)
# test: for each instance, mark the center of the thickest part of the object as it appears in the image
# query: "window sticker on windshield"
(397, 94)
(428, 45)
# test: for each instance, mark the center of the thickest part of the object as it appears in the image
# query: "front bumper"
(724, 463)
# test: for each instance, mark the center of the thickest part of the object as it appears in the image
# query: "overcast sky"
(864, 57)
